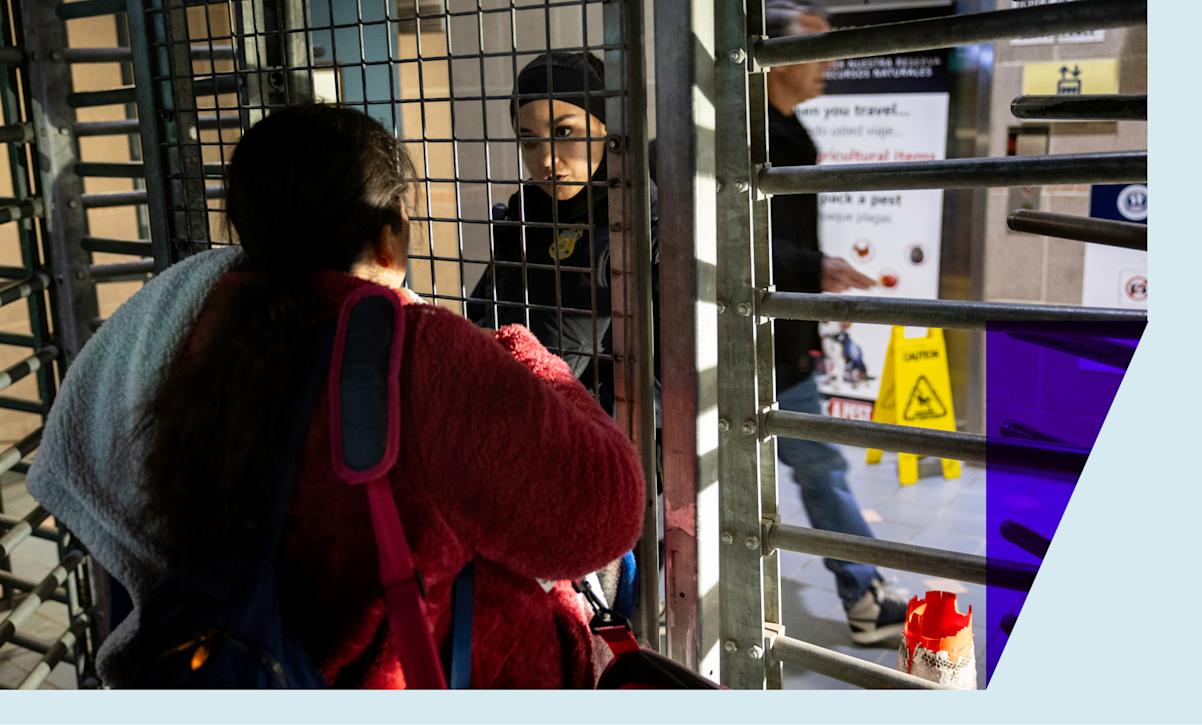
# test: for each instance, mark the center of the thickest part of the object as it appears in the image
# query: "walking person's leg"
(874, 614)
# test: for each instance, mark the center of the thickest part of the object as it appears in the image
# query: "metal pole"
(1024, 538)
(1095, 168)
(106, 97)
(22, 530)
(1099, 349)
(42, 592)
(741, 584)
(1101, 107)
(943, 32)
(13, 455)
(65, 220)
(630, 277)
(969, 447)
(16, 133)
(930, 313)
(688, 248)
(1126, 235)
(199, 51)
(56, 653)
(185, 166)
(845, 667)
(765, 354)
(907, 557)
(89, 8)
(204, 121)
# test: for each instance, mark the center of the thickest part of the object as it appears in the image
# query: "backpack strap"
(626, 595)
(365, 416)
(463, 595)
(609, 626)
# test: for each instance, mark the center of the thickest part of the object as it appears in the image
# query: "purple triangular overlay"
(1048, 389)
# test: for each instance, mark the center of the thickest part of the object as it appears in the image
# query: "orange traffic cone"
(938, 645)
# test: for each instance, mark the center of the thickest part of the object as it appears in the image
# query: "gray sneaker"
(878, 617)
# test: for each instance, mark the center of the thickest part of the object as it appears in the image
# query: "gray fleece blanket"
(88, 466)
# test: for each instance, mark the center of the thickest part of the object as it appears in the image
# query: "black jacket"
(562, 300)
(796, 261)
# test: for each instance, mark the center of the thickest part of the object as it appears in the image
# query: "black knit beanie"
(562, 77)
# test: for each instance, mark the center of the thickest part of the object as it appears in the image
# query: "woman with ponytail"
(497, 434)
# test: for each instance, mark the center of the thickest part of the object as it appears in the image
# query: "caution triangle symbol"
(924, 403)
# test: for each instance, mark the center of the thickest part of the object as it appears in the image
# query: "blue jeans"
(822, 473)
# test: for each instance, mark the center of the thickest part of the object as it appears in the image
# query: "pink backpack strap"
(365, 442)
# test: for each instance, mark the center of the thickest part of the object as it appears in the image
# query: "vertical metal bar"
(49, 83)
(741, 585)
(17, 109)
(190, 201)
(296, 52)
(152, 140)
(980, 209)
(684, 71)
(630, 277)
(131, 112)
(765, 361)
(253, 47)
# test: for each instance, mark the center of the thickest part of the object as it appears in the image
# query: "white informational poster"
(892, 236)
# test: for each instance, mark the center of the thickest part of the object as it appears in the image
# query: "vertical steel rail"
(295, 46)
(741, 566)
(252, 46)
(65, 222)
(684, 60)
(17, 109)
(38, 96)
(153, 161)
(765, 358)
(162, 57)
(630, 276)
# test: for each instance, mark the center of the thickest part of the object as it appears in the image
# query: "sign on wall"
(1115, 277)
(1071, 77)
(882, 109)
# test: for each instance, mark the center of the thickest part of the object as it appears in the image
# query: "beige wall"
(1024, 267)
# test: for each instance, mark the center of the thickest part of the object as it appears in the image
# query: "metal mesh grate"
(441, 76)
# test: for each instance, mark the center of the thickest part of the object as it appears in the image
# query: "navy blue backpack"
(217, 624)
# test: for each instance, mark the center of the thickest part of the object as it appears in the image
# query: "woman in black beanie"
(551, 245)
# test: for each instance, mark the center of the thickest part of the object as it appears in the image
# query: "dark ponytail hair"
(309, 188)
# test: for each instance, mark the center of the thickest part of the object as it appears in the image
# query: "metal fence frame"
(722, 532)
(173, 187)
(754, 645)
(58, 281)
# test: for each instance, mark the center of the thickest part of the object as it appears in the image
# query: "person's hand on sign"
(839, 276)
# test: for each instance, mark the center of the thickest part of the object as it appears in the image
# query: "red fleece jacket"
(505, 459)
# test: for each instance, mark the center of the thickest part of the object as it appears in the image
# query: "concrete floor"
(948, 514)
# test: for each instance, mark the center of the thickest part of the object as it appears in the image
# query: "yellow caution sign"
(915, 390)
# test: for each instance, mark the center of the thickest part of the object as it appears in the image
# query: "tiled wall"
(1038, 269)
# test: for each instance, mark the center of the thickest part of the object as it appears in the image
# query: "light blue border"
(1110, 631)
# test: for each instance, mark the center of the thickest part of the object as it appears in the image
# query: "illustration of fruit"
(862, 248)
(889, 280)
(917, 255)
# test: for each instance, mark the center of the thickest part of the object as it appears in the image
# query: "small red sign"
(849, 408)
